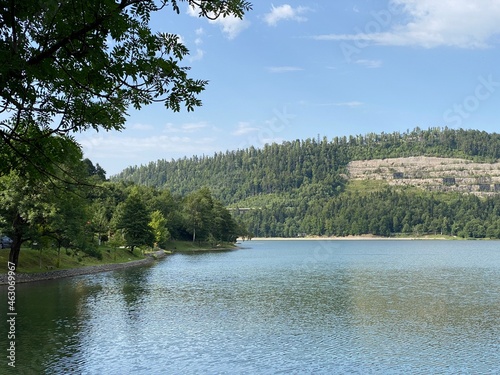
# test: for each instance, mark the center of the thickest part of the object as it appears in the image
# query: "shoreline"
(355, 238)
(205, 250)
(88, 270)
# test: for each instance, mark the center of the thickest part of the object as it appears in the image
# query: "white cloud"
(231, 26)
(114, 151)
(184, 128)
(116, 146)
(283, 69)
(193, 10)
(171, 128)
(244, 128)
(431, 23)
(198, 42)
(285, 12)
(180, 39)
(142, 127)
(372, 64)
(198, 56)
(348, 104)
(192, 127)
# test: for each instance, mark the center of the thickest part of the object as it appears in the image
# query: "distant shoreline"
(354, 238)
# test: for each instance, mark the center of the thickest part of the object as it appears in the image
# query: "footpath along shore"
(88, 270)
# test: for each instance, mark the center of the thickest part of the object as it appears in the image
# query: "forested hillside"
(303, 187)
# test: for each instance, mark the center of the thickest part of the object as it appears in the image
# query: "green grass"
(188, 246)
(31, 260)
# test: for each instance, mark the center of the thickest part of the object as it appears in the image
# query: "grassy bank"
(32, 261)
(189, 246)
(35, 261)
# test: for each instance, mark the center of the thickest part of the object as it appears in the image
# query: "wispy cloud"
(192, 127)
(351, 104)
(180, 39)
(114, 147)
(142, 127)
(199, 31)
(198, 42)
(184, 128)
(285, 12)
(372, 64)
(231, 26)
(430, 23)
(244, 128)
(197, 56)
(283, 69)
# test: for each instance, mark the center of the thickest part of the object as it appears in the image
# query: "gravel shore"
(57, 274)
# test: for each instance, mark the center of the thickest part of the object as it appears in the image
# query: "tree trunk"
(14, 253)
(16, 241)
(58, 255)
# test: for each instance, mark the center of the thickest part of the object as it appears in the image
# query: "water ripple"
(370, 309)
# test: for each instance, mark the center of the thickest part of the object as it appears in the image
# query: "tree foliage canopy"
(134, 218)
(68, 66)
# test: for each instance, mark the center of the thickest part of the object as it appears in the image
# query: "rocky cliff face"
(431, 173)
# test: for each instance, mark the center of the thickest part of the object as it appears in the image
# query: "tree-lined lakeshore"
(299, 189)
(68, 67)
(100, 217)
(72, 67)
(303, 188)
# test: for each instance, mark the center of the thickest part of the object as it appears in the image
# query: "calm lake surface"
(273, 307)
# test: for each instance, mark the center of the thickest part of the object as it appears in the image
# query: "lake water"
(273, 307)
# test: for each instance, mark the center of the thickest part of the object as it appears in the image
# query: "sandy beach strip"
(347, 238)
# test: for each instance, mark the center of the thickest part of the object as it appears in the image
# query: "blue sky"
(296, 69)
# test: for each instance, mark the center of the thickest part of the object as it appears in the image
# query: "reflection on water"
(357, 307)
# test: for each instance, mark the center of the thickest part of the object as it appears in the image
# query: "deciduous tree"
(198, 209)
(158, 225)
(69, 66)
(31, 206)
